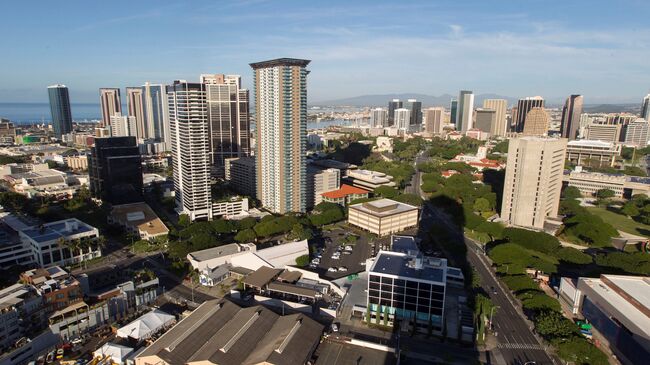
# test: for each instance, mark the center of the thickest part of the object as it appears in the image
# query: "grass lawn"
(621, 222)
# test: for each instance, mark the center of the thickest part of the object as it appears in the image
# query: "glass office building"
(60, 109)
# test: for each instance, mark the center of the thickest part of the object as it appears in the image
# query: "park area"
(620, 221)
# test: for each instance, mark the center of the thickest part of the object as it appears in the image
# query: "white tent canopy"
(117, 353)
(146, 325)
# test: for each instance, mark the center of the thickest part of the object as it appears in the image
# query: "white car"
(315, 261)
(348, 248)
(332, 269)
(336, 256)
(343, 268)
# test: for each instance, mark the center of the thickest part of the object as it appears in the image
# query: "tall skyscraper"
(156, 113)
(392, 105)
(434, 120)
(123, 126)
(228, 119)
(465, 113)
(415, 123)
(135, 109)
(115, 170)
(403, 119)
(638, 133)
(453, 112)
(485, 120)
(536, 123)
(110, 102)
(281, 112)
(190, 147)
(523, 107)
(378, 118)
(500, 118)
(60, 109)
(645, 108)
(571, 117)
(533, 180)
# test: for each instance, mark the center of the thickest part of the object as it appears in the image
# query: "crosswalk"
(520, 346)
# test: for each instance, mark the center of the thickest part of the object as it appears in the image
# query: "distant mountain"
(427, 100)
(612, 108)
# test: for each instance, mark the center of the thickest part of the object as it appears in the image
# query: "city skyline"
(454, 43)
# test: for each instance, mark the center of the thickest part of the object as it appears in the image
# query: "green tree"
(245, 236)
(184, 220)
(246, 223)
(386, 192)
(581, 352)
(481, 205)
(300, 232)
(571, 192)
(302, 261)
(540, 302)
(222, 226)
(552, 324)
(573, 256)
(411, 199)
(630, 209)
(605, 194)
(385, 315)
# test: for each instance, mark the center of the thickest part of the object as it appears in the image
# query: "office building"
(367, 179)
(123, 126)
(60, 110)
(592, 153)
(485, 120)
(618, 307)
(571, 112)
(434, 120)
(7, 132)
(135, 110)
(533, 181)
(536, 122)
(500, 118)
(603, 132)
(320, 181)
(645, 108)
(383, 217)
(623, 186)
(190, 140)
(378, 118)
(281, 112)
(453, 112)
(465, 112)
(228, 119)
(240, 175)
(110, 103)
(115, 170)
(235, 335)
(403, 119)
(345, 195)
(523, 107)
(138, 219)
(22, 311)
(156, 113)
(392, 105)
(637, 133)
(415, 107)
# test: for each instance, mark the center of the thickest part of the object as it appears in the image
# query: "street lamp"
(492, 313)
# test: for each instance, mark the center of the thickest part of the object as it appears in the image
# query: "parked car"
(343, 268)
(335, 327)
(348, 248)
(347, 252)
(332, 269)
(336, 256)
(315, 261)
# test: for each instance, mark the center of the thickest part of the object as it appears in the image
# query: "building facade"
(603, 132)
(521, 111)
(500, 119)
(434, 120)
(240, 173)
(415, 122)
(485, 120)
(637, 133)
(281, 112)
(465, 112)
(383, 217)
(592, 153)
(156, 113)
(135, 110)
(571, 112)
(378, 118)
(536, 122)
(403, 119)
(60, 109)
(645, 108)
(110, 103)
(533, 180)
(392, 105)
(320, 181)
(115, 170)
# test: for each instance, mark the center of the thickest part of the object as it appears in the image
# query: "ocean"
(29, 113)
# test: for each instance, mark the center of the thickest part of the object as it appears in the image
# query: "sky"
(600, 49)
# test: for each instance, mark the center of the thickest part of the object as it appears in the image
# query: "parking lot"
(345, 250)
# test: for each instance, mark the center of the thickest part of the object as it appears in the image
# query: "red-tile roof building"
(345, 194)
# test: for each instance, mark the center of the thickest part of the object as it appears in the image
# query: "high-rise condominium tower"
(403, 119)
(135, 109)
(485, 120)
(60, 109)
(392, 105)
(533, 180)
(228, 119)
(415, 122)
(464, 115)
(190, 147)
(571, 117)
(536, 123)
(453, 111)
(500, 119)
(379, 118)
(110, 102)
(523, 107)
(281, 112)
(645, 108)
(156, 113)
(434, 120)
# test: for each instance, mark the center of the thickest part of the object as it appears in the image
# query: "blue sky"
(515, 48)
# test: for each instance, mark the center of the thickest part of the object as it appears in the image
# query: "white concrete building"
(367, 179)
(378, 118)
(383, 217)
(403, 119)
(500, 118)
(637, 133)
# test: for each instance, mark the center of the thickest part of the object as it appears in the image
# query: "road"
(516, 342)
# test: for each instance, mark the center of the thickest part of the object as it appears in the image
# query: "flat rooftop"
(399, 264)
(139, 215)
(383, 207)
(214, 252)
(403, 244)
(55, 230)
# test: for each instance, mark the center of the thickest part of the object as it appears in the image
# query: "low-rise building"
(233, 335)
(235, 206)
(57, 288)
(12, 250)
(20, 310)
(384, 144)
(139, 219)
(622, 185)
(319, 181)
(592, 153)
(367, 179)
(383, 217)
(241, 174)
(78, 162)
(344, 195)
(603, 132)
